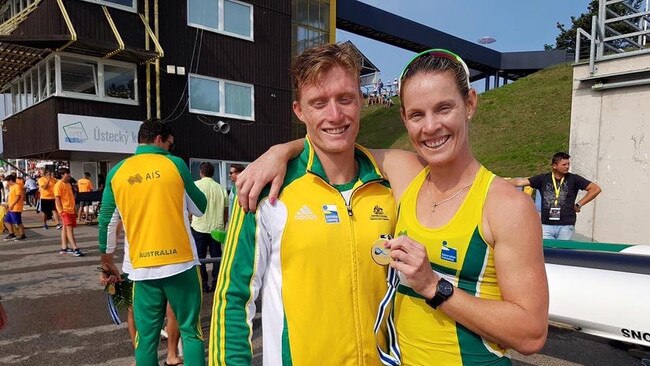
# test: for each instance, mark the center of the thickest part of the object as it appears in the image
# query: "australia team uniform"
(153, 192)
(309, 257)
(459, 253)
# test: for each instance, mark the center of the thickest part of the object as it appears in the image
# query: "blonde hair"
(311, 64)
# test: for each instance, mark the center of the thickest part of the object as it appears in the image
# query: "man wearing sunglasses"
(153, 192)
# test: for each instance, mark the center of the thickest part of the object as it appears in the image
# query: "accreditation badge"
(554, 214)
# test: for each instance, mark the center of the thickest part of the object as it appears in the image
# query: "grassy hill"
(515, 132)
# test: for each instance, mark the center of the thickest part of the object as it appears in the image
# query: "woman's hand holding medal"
(410, 258)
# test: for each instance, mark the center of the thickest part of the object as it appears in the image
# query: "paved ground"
(58, 314)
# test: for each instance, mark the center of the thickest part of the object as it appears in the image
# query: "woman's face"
(436, 115)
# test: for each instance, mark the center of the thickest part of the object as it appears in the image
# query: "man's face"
(164, 143)
(331, 110)
(562, 166)
(65, 177)
(233, 174)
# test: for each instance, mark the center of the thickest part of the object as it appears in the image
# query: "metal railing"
(619, 30)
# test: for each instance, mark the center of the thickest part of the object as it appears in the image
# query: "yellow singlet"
(459, 253)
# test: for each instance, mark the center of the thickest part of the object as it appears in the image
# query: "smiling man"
(309, 253)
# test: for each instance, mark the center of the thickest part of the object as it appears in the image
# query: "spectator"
(14, 205)
(46, 186)
(213, 219)
(65, 206)
(84, 185)
(31, 190)
(234, 171)
(559, 190)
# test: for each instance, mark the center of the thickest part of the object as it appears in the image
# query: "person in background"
(153, 193)
(14, 206)
(212, 219)
(65, 206)
(31, 191)
(84, 185)
(559, 190)
(46, 186)
(233, 172)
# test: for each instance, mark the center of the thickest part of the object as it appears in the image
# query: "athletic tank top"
(458, 253)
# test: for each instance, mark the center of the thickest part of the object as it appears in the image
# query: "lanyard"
(556, 187)
(385, 313)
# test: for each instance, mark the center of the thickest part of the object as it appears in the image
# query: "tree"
(566, 40)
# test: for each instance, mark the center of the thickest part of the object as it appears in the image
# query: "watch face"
(445, 288)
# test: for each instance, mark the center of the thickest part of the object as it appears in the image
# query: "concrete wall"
(610, 145)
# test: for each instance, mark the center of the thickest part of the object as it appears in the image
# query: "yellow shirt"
(212, 219)
(46, 186)
(16, 198)
(85, 185)
(63, 190)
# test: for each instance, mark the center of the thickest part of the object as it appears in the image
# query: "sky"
(517, 25)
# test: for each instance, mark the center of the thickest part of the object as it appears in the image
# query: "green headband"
(436, 52)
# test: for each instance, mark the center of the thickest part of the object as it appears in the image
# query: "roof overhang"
(15, 60)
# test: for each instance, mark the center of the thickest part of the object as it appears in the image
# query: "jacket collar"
(150, 149)
(368, 169)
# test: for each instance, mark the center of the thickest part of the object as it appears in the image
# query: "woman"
(468, 246)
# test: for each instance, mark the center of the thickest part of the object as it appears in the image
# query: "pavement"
(57, 310)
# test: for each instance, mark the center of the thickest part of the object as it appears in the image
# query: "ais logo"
(138, 178)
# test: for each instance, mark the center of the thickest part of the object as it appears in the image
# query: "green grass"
(515, 132)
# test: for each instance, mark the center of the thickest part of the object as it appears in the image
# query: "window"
(78, 76)
(119, 82)
(82, 77)
(204, 95)
(128, 5)
(219, 97)
(231, 17)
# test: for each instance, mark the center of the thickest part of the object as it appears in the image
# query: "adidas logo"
(304, 214)
(136, 179)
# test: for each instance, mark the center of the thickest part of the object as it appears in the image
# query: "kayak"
(601, 289)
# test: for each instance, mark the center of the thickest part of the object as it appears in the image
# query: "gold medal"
(379, 253)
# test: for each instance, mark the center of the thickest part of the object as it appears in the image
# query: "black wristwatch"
(444, 290)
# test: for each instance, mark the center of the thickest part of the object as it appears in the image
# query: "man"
(309, 254)
(152, 192)
(212, 220)
(14, 205)
(559, 190)
(31, 188)
(233, 172)
(84, 185)
(65, 206)
(46, 185)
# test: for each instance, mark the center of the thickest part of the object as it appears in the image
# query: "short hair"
(64, 171)
(207, 169)
(10, 178)
(87, 175)
(311, 64)
(238, 167)
(560, 156)
(151, 128)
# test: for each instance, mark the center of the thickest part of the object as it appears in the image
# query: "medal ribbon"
(112, 310)
(557, 188)
(385, 314)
